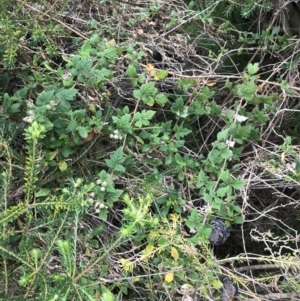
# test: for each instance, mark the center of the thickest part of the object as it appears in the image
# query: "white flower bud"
(102, 188)
(104, 184)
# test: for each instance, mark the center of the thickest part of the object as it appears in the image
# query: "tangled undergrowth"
(149, 150)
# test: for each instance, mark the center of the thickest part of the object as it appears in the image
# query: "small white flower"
(99, 182)
(240, 118)
(28, 119)
(102, 188)
(111, 136)
(48, 107)
(104, 184)
(116, 132)
(116, 137)
(97, 210)
(101, 205)
(230, 143)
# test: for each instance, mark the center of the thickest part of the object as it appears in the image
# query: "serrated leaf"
(226, 153)
(174, 253)
(225, 176)
(238, 184)
(131, 71)
(181, 131)
(161, 99)
(45, 98)
(169, 277)
(142, 118)
(123, 123)
(222, 135)
(252, 68)
(162, 74)
(207, 198)
(246, 90)
(222, 191)
(148, 89)
(67, 94)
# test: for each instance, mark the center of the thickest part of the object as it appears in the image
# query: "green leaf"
(44, 98)
(67, 94)
(142, 118)
(72, 126)
(226, 153)
(14, 108)
(113, 196)
(85, 49)
(246, 90)
(123, 123)
(194, 220)
(181, 131)
(178, 106)
(225, 176)
(116, 159)
(240, 133)
(42, 192)
(66, 151)
(258, 116)
(148, 89)
(21, 93)
(137, 94)
(207, 198)
(131, 71)
(238, 220)
(110, 54)
(162, 74)
(252, 68)
(215, 156)
(238, 184)
(161, 99)
(223, 135)
(120, 168)
(62, 165)
(82, 131)
(217, 284)
(222, 191)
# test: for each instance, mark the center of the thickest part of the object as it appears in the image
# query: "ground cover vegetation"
(149, 150)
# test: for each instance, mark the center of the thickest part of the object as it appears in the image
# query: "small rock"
(229, 290)
(219, 232)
